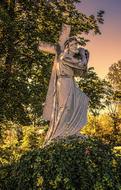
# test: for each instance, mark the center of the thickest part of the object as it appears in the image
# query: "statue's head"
(72, 44)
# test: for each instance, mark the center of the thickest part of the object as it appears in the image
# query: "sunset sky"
(105, 49)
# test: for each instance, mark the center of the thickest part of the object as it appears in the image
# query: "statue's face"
(73, 46)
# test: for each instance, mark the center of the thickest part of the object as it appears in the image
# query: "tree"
(114, 78)
(24, 72)
(114, 98)
(95, 88)
(114, 75)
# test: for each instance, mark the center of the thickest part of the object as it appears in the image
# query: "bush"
(71, 164)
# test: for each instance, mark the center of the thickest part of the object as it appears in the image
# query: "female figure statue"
(65, 105)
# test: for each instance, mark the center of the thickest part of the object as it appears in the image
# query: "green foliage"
(95, 88)
(24, 72)
(17, 139)
(24, 77)
(70, 164)
(102, 127)
(113, 99)
(114, 75)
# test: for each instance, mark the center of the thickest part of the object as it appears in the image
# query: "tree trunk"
(9, 8)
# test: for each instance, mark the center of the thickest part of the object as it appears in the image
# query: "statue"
(66, 105)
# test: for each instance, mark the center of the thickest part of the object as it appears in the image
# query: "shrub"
(71, 164)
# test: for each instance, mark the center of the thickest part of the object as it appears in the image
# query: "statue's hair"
(70, 39)
(74, 38)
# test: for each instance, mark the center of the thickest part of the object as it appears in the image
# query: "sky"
(105, 49)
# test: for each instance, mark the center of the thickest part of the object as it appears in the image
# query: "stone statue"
(66, 105)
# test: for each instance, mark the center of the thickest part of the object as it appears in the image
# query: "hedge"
(68, 164)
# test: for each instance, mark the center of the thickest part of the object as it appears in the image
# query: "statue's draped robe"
(66, 105)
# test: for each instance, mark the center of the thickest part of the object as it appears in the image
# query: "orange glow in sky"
(105, 49)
